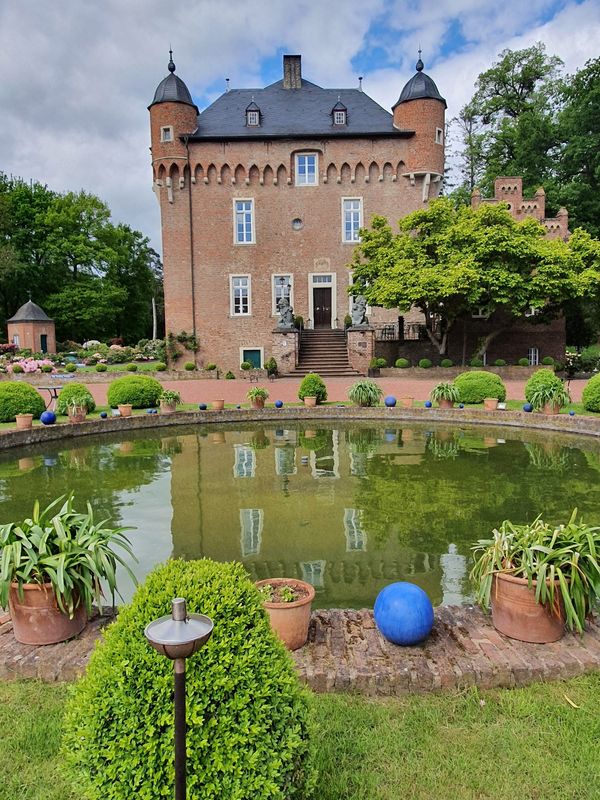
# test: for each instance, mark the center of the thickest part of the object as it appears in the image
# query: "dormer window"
(340, 113)
(253, 115)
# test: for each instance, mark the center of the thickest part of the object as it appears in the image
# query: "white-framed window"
(166, 133)
(252, 118)
(240, 295)
(351, 219)
(533, 356)
(281, 289)
(356, 536)
(339, 117)
(439, 136)
(251, 528)
(15, 339)
(243, 221)
(307, 165)
(313, 572)
(245, 461)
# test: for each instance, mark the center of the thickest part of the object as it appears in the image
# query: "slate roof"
(172, 90)
(30, 312)
(419, 87)
(294, 113)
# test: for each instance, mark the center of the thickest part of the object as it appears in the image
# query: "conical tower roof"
(30, 312)
(172, 89)
(419, 87)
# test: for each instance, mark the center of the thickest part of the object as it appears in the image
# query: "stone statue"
(359, 309)
(286, 313)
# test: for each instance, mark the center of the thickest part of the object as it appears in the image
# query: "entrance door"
(322, 306)
(44, 343)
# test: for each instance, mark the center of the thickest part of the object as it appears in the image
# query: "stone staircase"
(323, 351)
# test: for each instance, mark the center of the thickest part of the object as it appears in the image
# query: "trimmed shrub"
(313, 386)
(271, 366)
(70, 367)
(101, 367)
(246, 365)
(499, 362)
(476, 362)
(591, 394)
(131, 367)
(229, 376)
(19, 398)
(17, 369)
(474, 387)
(160, 366)
(248, 719)
(210, 367)
(548, 361)
(47, 368)
(523, 362)
(446, 362)
(542, 379)
(425, 363)
(402, 363)
(190, 366)
(74, 390)
(141, 391)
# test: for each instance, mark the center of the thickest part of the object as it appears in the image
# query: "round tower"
(421, 108)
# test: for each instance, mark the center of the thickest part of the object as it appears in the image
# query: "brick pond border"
(346, 653)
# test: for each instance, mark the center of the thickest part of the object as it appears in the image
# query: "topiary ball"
(242, 689)
(390, 401)
(48, 418)
(427, 403)
(103, 414)
(202, 406)
(403, 613)
(278, 403)
(528, 408)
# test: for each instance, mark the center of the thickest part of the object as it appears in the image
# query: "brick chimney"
(292, 72)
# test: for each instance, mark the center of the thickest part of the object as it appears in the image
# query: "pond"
(347, 507)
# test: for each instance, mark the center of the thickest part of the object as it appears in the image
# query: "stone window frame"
(439, 136)
(244, 212)
(533, 356)
(297, 158)
(351, 211)
(274, 286)
(232, 296)
(251, 529)
(166, 133)
(245, 347)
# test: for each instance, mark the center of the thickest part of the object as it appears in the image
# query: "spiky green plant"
(365, 393)
(445, 391)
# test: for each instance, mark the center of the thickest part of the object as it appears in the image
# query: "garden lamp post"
(178, 637)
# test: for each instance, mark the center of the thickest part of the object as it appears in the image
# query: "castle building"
(262, 195)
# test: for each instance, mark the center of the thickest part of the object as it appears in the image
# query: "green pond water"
(348, 508)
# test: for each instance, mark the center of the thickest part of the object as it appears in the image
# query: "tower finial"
(420, 66)
(171, 63)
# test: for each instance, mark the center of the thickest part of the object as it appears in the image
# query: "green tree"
(87, 309)
(448, 261)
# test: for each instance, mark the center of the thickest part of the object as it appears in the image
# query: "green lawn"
(525, 744)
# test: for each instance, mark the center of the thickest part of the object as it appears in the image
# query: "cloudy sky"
(78, 75)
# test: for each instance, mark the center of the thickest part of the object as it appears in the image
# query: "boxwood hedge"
(541, 379)
(591, 394)
(248, 719)
(141, 391)
(19, 398)
(475, 386)
(78, 390)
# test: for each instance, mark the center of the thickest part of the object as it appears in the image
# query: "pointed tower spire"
(420, 66)
(171, 66)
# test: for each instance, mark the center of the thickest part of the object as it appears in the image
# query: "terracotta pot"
(290, 621)
(258, 402)
(444, 403)
(550, 409)
(24, 421)
(77, 414)
(167, 408)
(310, 401)
(125, 410)
(516, 614)
(37, 618)
(218, 438)
(490, 403)
(218, 405)
(406, 402)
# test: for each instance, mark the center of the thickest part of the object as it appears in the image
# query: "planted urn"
(257, 396)
(445, 395)
(288, 601)
(168, 401)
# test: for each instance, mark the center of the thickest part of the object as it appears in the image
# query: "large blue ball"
(278, 403)
(47, 417)
(528, 408)
(103, 414)
(390, 401)
(202, 406)
(571, 413)
(461, 405)
(428, 404)
(403, 613)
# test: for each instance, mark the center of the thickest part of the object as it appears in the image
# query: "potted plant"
(490, 403)
(168, 401)
(217, 405)
(550, 399)
(77, 408)
(125, 409)
(288, 603)
(24, 421)
(257, 396)
(538, 576)
(312, 389)
(445, 395)
(52, 566)
(365, 393)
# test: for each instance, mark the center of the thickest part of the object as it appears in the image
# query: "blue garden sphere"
(278, 403)
(403, 613)
(390, 401)
(461, 405)
(202, 406)
(571, 413)
(47, 417)
(528, 408)
(103, 415)
(427, 403)
(149, 411)
(238, 407)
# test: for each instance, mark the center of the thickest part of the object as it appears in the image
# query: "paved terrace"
(346, 652)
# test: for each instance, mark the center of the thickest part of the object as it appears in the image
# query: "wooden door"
(322, 307)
